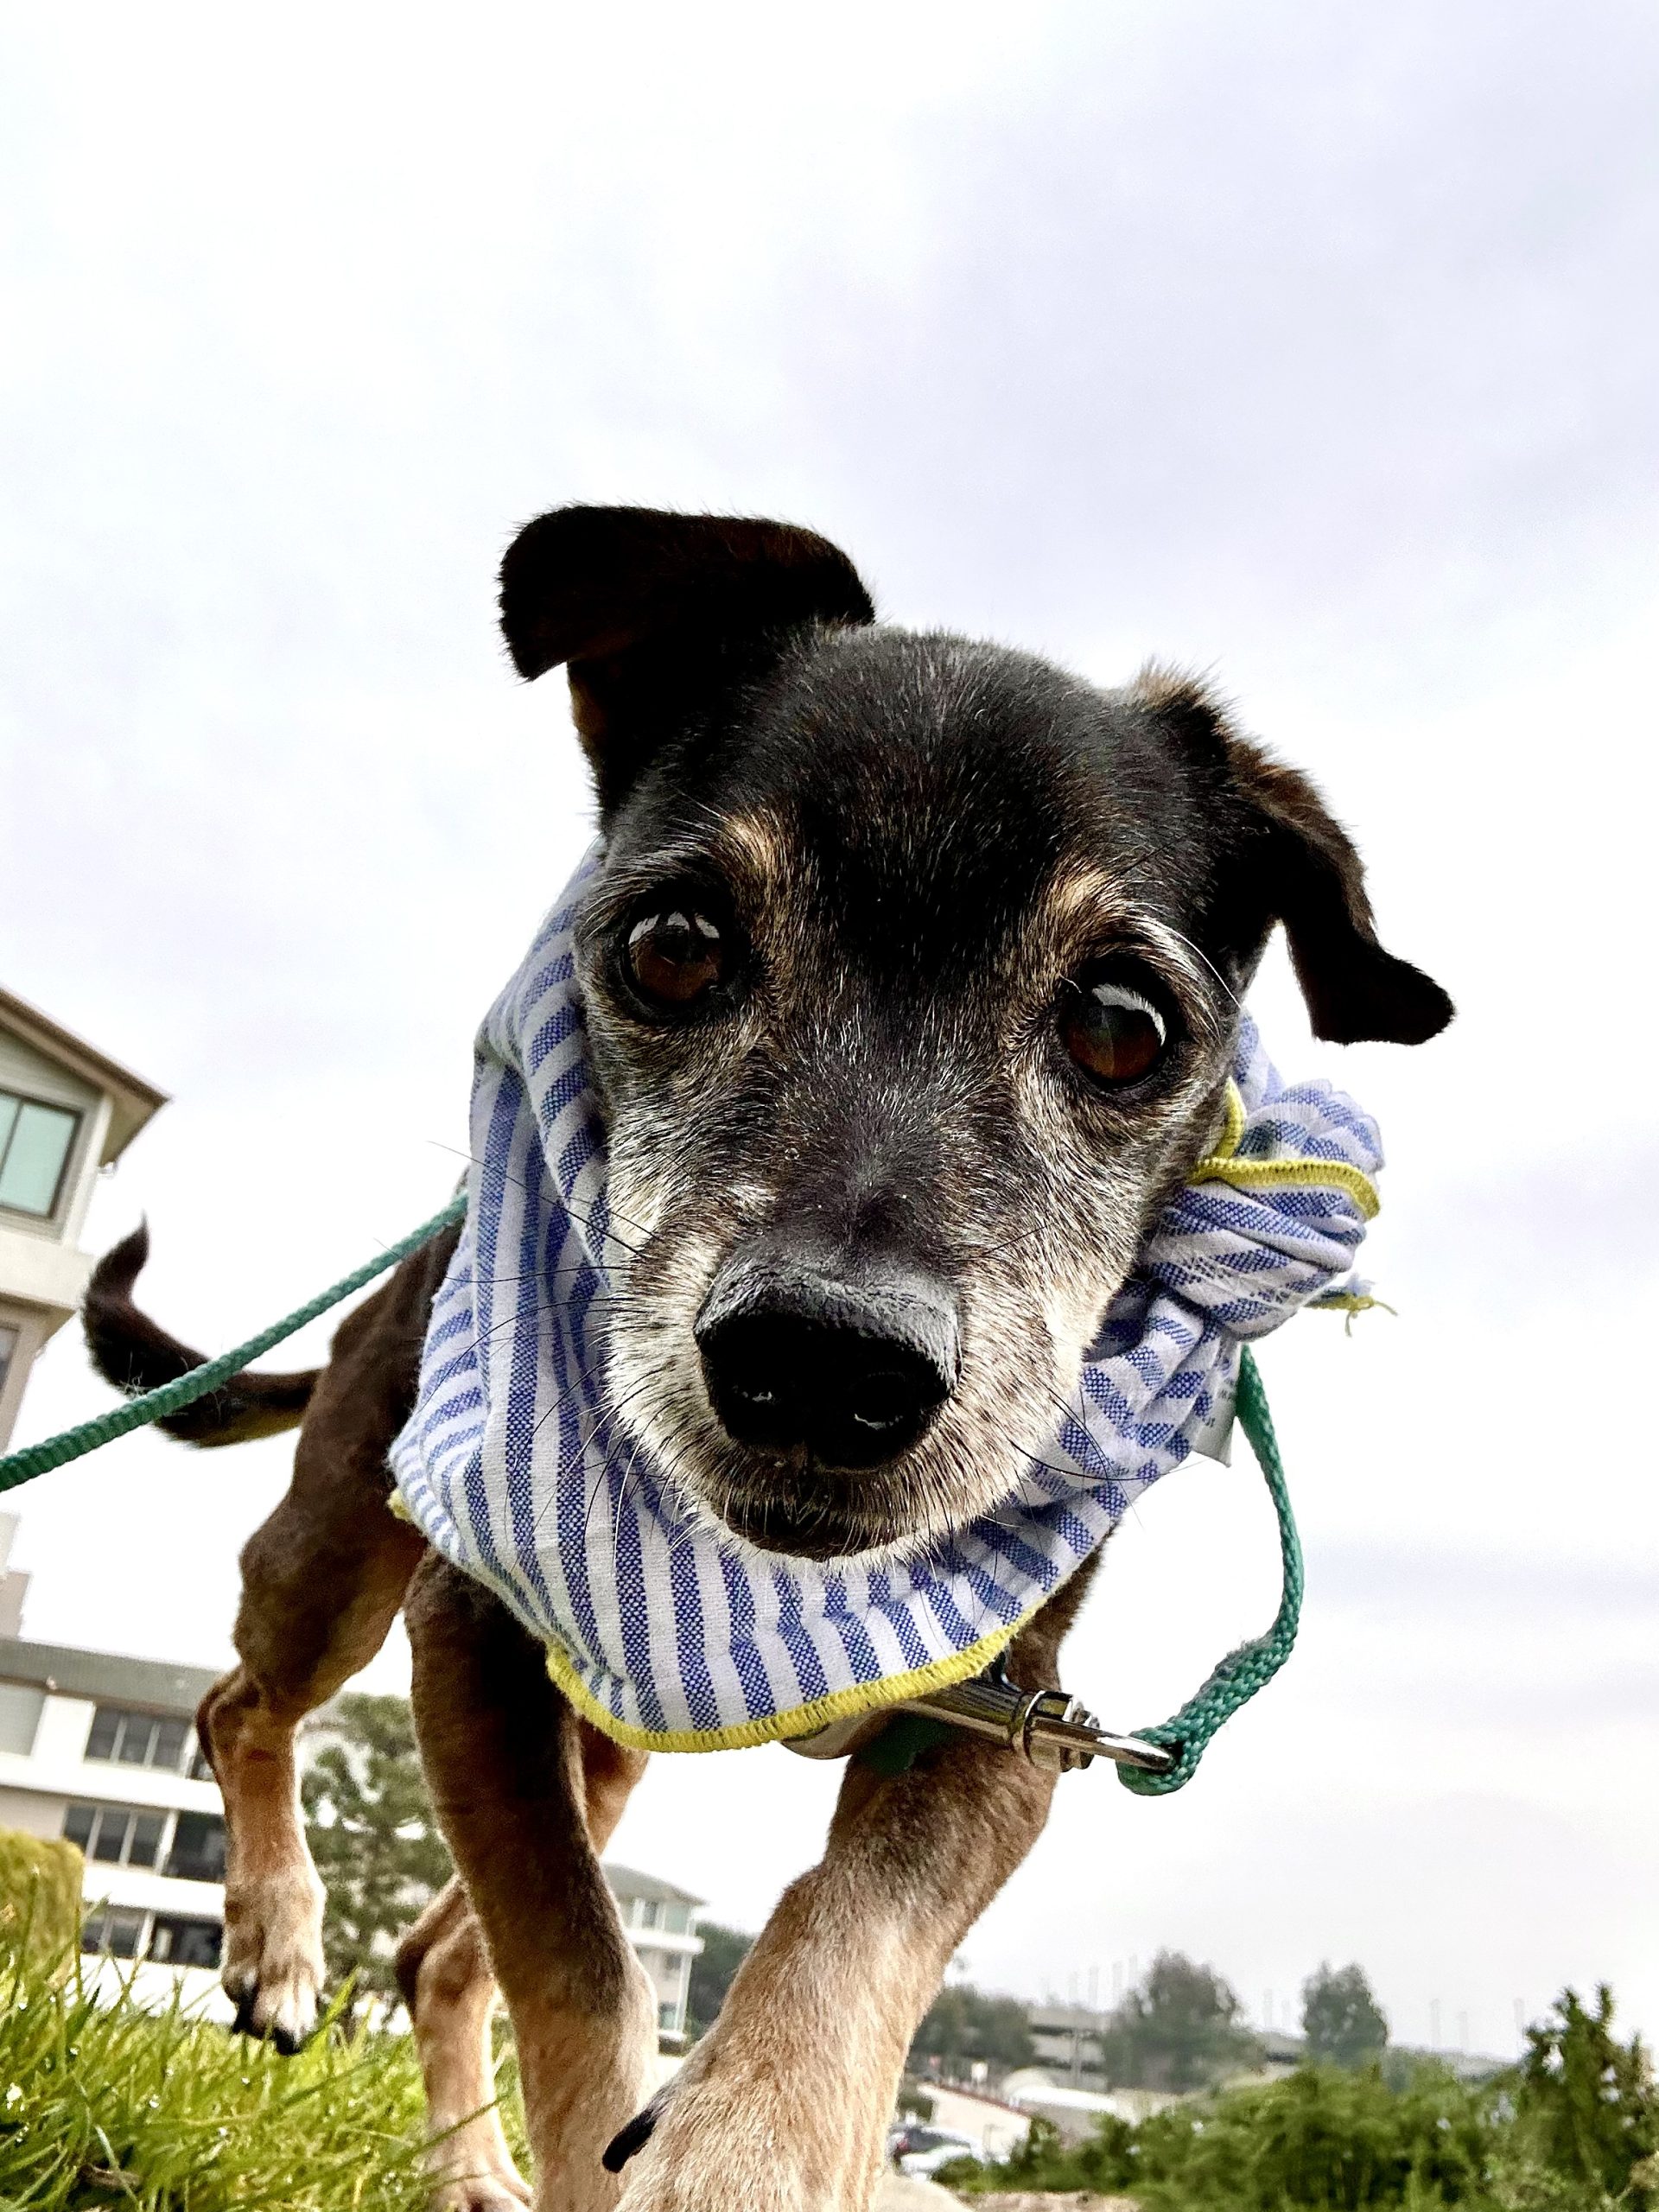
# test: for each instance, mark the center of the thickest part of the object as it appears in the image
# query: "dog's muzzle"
(850, 1371)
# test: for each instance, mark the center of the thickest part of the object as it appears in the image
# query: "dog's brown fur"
(919, 849)
(785, 2101)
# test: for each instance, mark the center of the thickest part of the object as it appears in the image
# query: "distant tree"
(724, 1950)
(962, 2025)
(1586, 2108)
(373, 1834)
(1341, 2021)
(1179, 2030)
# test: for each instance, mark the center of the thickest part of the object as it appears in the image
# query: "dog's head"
(912, 979)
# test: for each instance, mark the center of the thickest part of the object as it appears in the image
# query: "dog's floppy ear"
(1297, 864)
(1315, 883)
(655, 613)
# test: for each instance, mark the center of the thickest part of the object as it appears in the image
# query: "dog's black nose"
(851, 1372)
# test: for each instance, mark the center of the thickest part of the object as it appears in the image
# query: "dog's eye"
(676, 956)
(1111, 1031)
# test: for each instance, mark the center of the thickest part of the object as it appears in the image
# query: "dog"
(911, 972)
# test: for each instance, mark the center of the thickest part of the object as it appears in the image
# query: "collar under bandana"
(665, 1630)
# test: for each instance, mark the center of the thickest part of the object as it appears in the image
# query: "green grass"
(106, 2104)
(103, 2104)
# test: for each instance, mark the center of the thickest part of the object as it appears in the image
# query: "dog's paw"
(498, 2190)
(273, 1970)
(699, 2175)
(712, 2141)
(471, 2169)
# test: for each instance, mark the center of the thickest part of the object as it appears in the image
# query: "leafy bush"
(1587, 2116)
(1575, 2128)
(1322, 2137)
(40, 1895)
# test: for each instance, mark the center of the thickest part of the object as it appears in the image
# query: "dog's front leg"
(784, 2106)
(528, 1796)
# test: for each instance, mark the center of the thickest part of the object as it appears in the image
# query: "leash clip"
(1047, 1728)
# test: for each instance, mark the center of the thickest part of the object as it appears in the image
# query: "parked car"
(927, 2149)
(911, 2135)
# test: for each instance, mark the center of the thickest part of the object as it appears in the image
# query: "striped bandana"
(666, 1631)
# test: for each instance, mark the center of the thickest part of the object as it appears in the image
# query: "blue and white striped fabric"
(669, 1632)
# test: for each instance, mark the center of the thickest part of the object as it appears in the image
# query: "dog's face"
(911, 980)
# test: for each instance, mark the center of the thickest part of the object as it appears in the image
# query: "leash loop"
(18, 1467)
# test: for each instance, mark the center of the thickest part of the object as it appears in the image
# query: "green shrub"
(40, 1895)
(1322, 2137)
(1575, 2128)
(1587, 2116)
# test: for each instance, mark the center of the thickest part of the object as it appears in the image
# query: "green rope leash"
(1187, 1732)
(1254, 1665)
(172, 1397)
(1235, 1682)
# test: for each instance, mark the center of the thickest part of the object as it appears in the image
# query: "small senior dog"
(910, 971)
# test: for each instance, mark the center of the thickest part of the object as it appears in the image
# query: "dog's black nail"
(634, 2137)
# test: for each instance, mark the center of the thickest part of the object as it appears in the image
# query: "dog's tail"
(133, 1352)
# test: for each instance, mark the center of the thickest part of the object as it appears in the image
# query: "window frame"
(100, 1923)
(100, 1815)
(177, 1924)
(212, 1832)
(142, 1717)
(77, 1120)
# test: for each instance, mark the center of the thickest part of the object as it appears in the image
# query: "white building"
(65, 1110)
(658, 1920)
(1068, 2042)
(103, 1749)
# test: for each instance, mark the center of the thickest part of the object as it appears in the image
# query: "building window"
(21, 1707)
(115, 1929)
(116, 1835)
(650, 1912)
(34, 1142)
(177, 1942)
(8, 1353)
(130, 1835)
(198, 1852)
(139, 1738)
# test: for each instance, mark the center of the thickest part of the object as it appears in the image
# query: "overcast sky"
(1314, 345)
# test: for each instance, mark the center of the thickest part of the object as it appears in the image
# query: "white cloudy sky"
(1312, 343)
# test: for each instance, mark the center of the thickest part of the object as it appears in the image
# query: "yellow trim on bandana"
(1222, 1165)
(800, 1719)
